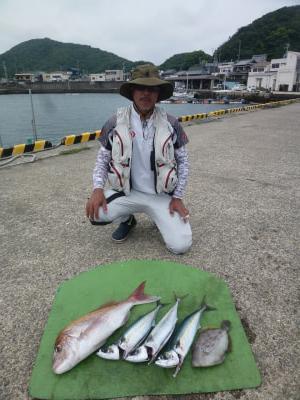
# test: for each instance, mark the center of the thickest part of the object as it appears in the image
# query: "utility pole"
(33, 116)
(287, 46)
(239, 53)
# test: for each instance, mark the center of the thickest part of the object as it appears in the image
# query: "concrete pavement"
(243, 196)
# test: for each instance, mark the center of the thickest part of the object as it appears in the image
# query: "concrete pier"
(243, 197)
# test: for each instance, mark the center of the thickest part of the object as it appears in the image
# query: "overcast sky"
(152, 30)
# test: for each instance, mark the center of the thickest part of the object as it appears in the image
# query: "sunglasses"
(152, 89)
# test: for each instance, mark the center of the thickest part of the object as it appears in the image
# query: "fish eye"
(58, 349)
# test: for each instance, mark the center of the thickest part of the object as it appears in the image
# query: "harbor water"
(59, 115)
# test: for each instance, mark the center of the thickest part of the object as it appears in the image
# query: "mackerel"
(157, 338)
(132, 337)
(181, 340)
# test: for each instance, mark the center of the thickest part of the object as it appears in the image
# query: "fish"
(182, 340)
(211, 346)
(157, 338)
(85, 335)
(132, 337)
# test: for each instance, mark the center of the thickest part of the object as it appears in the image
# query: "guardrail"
(41, 145)
(186, 118)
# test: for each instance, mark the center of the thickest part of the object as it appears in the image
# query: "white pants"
(176, 234)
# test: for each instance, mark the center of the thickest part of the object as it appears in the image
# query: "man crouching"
(144, 158)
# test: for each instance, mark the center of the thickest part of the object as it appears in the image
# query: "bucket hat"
(146, 75)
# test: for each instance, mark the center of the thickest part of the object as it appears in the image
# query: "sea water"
(59, 115)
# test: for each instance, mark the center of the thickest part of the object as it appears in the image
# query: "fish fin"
(178, 367)
(152, 359)
(139, 297)
(108, 304)
(159, 303)
(151, 354)
(226, 325)
(209, 328)
(229, 350)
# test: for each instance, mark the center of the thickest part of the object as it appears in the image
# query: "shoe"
(122, 232)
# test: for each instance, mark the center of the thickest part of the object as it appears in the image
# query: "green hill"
(183, 61)
(49, 55)
(270, 34)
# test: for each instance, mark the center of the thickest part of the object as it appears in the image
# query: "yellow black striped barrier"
(18, 149)
(41, 145)
(186, 118)
(84, 137)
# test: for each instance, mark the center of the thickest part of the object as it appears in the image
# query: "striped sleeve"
(101, 168)
(181, 156)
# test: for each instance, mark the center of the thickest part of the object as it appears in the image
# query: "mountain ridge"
(271, 34)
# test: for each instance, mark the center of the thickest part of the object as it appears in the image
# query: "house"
(261, 77)
(57, 76)
(97, 77)
(114, 75)
(25, 77)
(281, 74)
(225, 68)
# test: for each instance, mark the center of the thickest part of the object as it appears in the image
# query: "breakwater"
(114, 87)
(60, 87)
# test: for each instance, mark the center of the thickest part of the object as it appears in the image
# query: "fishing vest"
(162, 158)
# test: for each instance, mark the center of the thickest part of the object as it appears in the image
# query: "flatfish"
(211, 346)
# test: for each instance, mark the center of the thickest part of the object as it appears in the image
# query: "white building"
(114, 75)
(261, 77)
(97, 77)
(108, 75)
(25, 77)
(281, 74)
(57, 76)
(225, 68)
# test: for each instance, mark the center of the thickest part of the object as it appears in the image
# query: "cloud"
(133, 29)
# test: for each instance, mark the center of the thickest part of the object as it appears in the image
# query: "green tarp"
(95, 378)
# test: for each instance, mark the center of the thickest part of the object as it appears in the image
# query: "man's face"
(145, 97)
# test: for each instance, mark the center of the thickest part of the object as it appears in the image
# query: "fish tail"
(180, 297)
(139, 297)
(206, 306)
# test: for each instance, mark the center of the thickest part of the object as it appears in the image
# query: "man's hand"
(92, 206)
(176, 205)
